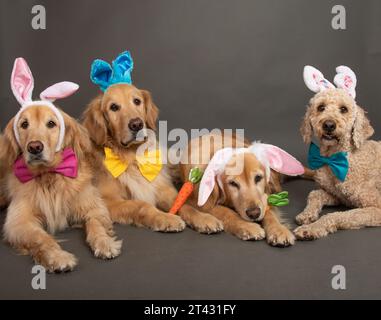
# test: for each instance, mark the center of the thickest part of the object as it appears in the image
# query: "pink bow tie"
(68, 167)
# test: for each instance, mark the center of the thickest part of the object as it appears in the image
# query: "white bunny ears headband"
(22, 84)
(270, 156)
(345, 79)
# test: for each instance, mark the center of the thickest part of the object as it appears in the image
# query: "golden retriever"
(50, 202)
(3, 170)
(239, 200)
(116, 119)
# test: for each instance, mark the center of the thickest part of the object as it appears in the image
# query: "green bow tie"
(278, 199)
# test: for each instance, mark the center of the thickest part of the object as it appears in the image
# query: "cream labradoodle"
(341, 128)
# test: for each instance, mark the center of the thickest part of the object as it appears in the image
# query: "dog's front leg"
(24, 231)
(330, 223)
(98, 224)
(366, 197)
(200, 221)
(276, 234)
(143, 214)
(317, 199)
(235, 225)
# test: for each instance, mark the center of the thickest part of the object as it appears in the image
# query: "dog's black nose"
(136, 124)
(253, 212)
(35, 147)
(329, 126)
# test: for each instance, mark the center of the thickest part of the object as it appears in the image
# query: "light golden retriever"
(50, 202)
(239, 200)
(3, 170)
(116, 119)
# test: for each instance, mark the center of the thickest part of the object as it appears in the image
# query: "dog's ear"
(95, 122)
(274, 184)
(306, 127)
(76, 136)
(9, 148)
(217, 197)
(362, 129)
(152, 111)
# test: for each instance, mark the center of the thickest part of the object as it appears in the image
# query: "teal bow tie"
(338, 162)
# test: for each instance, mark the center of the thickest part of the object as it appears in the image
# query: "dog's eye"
(24, 124)
(258, 178)
(137, 102)
(51, 124)
(321, 107)
(234, 184)
(343, 109)
(114, 107)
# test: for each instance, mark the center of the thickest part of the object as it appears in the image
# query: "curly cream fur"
(361, 188)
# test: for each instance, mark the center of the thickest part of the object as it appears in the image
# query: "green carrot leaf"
(195, 175)
(278, 199)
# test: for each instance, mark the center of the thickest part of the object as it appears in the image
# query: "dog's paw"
(206, 223)
(107, 247)
(310, 232)
(167, 222)
(306, 218)
(249, 231)
(57, 260)
(280, 236)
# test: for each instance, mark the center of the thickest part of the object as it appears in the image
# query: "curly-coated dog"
(348, 168)
(49, 179)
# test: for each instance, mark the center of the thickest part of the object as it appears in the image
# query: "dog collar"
(150, 164)
(68, 167)
(338, 162)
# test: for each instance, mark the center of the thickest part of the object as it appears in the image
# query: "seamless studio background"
(208, 64)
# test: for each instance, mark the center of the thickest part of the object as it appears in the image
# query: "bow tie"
(338, 162)
(150, 164)
(68, 167)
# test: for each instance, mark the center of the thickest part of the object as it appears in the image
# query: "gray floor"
(193, 266)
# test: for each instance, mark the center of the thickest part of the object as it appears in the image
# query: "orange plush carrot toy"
(186, 190)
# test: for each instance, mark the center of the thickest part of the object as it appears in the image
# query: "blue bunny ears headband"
(105, 75)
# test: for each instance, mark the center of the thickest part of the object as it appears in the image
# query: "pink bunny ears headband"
(22, 84)
(270, 156)
(345, 79)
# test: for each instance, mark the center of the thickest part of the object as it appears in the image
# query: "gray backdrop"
(215, 63)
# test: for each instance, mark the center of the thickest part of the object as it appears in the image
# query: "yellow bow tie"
(149, 165)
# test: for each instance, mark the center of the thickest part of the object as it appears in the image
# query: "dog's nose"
(253, 212)
(135, 124)
(329, 126)
(35, 147)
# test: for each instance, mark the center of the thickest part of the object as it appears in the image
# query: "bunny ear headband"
(345, 79)
(104, 75)
(270, 156)
(22, 84)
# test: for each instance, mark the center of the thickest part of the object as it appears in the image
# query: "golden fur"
(3, 169)
(227, 206)
(361, 188)
(130, 198)
(51, 202)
